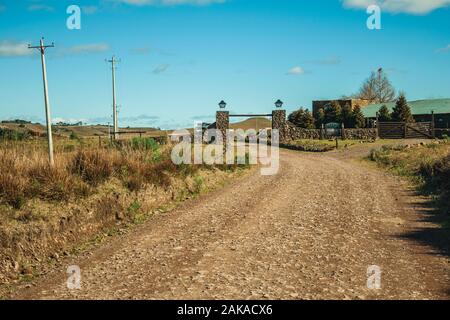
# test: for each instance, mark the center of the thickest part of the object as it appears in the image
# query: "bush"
(12, 189)
(144, 144)
(93, 166)
(50, 183)
(73, 136)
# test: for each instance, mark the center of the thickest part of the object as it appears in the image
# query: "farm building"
(421, 111)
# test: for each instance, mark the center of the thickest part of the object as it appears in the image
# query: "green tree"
(384, 115)
(347, 116)
(320, 118)
(333, 113)
(360, 120)
(402, 112)
(302, 118)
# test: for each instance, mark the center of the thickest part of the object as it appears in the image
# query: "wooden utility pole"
(113, 62)
(42, 49)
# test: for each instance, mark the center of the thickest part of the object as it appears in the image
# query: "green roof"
(417, 107)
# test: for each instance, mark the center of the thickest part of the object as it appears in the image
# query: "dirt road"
(309, 232)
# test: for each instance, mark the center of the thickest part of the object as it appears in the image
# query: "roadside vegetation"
(94, 186)
(426, 165)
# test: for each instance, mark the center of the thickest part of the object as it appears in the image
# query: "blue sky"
(181, 57)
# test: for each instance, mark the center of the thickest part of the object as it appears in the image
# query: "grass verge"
(427, 166)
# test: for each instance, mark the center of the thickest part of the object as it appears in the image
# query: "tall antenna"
(42, 49)
(113, 62)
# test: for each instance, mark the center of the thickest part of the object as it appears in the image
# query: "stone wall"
(361, 134)
(295, 133)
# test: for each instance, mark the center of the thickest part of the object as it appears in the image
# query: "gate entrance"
(278, 120)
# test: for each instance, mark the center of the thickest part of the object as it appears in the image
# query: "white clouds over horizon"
(161, 68)
(14, 49)
(418, 7)
(445, 49)
(20, 49)
(295, 71)
(86, 48)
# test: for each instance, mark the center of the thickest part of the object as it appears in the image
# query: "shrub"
(144, 144)
(12, 189)
(93, 166)
(73, 136)
(50, 183)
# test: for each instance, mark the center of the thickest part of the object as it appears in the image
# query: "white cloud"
(142, 50)
(68, 120)
(445, 49)
(86, 48)
(89, 9)
(14, 49)
(40, 7)
(296, 71)
(169, 2)
(418, 7)
(161, 68)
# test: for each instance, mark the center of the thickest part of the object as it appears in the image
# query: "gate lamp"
(278, 103)
(222, 104)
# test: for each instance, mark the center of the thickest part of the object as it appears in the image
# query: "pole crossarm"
(41, 47)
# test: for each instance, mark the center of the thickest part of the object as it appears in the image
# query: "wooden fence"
(402, 130)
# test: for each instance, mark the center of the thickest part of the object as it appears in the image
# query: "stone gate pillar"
(279, 123)
(223, 123)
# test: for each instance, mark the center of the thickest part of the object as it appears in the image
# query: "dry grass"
(428, 166)
(90, 190)
(80, 170)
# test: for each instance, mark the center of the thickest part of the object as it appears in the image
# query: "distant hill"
(252, 123)
(64, 131)
(33, 129)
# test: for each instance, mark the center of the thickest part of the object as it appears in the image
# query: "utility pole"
(42, 49)
(113, 62)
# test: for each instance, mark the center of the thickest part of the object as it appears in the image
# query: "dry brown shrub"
(93, 166)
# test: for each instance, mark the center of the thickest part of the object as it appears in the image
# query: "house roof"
(439, 106)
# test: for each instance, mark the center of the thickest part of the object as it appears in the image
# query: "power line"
(42, 49)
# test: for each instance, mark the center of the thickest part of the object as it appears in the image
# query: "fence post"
(433, 131)
(322, 132)
(405, 130)
(343, 131)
